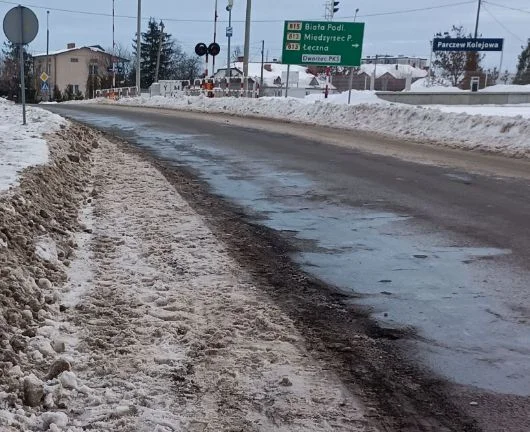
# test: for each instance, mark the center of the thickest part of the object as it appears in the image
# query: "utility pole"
(113, 49)
(478, 18)
(158, 54)
(214, 35)
(47, 68)
(262, 66)
(247, 44)
(351, 69)
(138, 48)
(228, 54)
(375, 73)
(331, 7)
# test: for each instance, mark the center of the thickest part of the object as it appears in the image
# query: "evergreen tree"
(11, 73)
(149, 52)
(523, 67)
(57, 95)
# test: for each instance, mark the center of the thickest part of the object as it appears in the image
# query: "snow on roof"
(305, 79)
(399, 71)
(95, 48)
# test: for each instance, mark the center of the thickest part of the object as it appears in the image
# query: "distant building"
(301, 81)
(388, 77)
(72, 67)
(416, 62)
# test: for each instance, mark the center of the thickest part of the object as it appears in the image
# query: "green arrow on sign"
(323, 43)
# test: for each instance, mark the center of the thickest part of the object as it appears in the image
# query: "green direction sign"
(322, 43)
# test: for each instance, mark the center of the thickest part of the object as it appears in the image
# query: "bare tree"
(452, 64)
(237, 52)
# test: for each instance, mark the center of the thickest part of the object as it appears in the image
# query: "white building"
(416, 62)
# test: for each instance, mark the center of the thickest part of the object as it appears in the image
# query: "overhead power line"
(193, 20)
(507, 7)
(405, 11)
(502, 25)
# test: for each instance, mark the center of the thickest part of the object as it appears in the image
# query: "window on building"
(74, 60)
(76, 88)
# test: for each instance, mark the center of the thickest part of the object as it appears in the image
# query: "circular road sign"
(21, 25)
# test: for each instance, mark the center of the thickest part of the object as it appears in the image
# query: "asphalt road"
(433, 239)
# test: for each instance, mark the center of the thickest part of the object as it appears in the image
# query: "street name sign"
(467, 44)
(323, 43)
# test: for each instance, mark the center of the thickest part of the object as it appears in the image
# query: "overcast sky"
(191, 21)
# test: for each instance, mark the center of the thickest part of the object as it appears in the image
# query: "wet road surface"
(437, 250)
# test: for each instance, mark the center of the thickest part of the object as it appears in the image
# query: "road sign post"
(21, 27)
(322, 43)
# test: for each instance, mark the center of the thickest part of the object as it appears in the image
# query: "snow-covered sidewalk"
(161, 330)
(23, 146)
(507, 135)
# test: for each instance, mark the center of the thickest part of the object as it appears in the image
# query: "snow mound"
(504, 88)
(436, 86)
(357, 97)
(23, 146)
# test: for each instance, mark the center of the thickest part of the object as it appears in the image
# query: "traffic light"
(214, 49)
(201, 49)
(336, 6)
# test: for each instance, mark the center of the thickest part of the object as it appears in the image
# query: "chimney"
(268, 67)
(71, 45)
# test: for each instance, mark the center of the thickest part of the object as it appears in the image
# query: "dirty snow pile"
(38, 212)
(497, 134)
(23, 146)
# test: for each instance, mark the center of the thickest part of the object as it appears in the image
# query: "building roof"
(398, 71)
(95, 48)
(387, 56)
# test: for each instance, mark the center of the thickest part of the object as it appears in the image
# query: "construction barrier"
(116, 93)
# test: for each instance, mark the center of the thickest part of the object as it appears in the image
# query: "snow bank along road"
(508, 135)
(441, 249)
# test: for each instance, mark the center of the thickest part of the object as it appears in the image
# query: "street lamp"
(229, 36)
(355, 17)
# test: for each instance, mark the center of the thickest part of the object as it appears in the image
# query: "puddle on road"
(454, 296)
